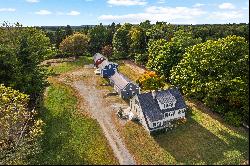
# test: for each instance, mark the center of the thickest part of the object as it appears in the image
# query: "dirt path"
(100, 109)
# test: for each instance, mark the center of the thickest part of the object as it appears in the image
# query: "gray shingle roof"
(151, 108)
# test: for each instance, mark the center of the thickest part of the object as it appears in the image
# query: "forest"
(209, 63)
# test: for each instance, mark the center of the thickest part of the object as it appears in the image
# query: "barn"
(123, 86)
(106, 68)
(98, 59)
(155, 110)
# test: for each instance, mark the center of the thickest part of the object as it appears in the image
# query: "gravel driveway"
(100, 110)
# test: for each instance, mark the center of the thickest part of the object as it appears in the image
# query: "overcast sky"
(91, 12)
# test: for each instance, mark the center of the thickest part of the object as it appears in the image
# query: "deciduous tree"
(151, 81)
(217, 73)
(75, 45)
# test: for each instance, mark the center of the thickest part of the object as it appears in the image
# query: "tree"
(21, 51)
(121, 42)
(59, 36)
(98, 38)
(145, 25)
(215, 32)
(68, 30)
(75, 44)
(107, 51)
(163, 55)
(151, 81)
(217, 72)
(161, 30)
(19, 129)
(138, 45)
(111, 31)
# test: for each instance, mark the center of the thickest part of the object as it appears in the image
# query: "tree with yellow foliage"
(151, 81)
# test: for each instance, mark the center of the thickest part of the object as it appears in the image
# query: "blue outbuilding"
(107, 69)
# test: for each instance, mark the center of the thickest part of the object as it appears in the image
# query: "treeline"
(207, 62)
(22, 81)
(137, 36)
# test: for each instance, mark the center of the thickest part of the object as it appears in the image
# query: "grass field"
(131, 74)
(203, 139)
(70, 136)
(69, 66)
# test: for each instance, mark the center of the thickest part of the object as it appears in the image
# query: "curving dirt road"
(100, 109)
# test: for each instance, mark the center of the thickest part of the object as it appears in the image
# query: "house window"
(166, 115)
(164, 123)
(179, 112)
(183, 111)
(154, 124)
(136, 102)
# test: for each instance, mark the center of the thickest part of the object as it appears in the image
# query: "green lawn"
(203, 139)
(70, 135)
(131, 74)
(69, 66)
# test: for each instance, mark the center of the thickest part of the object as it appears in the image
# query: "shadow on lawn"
(55, 143)
(191, 143)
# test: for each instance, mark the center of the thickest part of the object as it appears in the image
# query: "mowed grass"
(144, 148)
(128, 72)
(203, 139)
(70, 137)
(70, 66)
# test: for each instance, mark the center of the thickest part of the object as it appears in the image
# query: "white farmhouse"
(155, 110)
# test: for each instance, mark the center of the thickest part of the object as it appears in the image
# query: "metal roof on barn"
(119, 80)
(98, 56)
(150, 105)
(103, 64)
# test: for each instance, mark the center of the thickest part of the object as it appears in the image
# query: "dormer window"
(166, 100)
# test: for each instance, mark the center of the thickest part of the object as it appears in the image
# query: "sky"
(93, 12)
